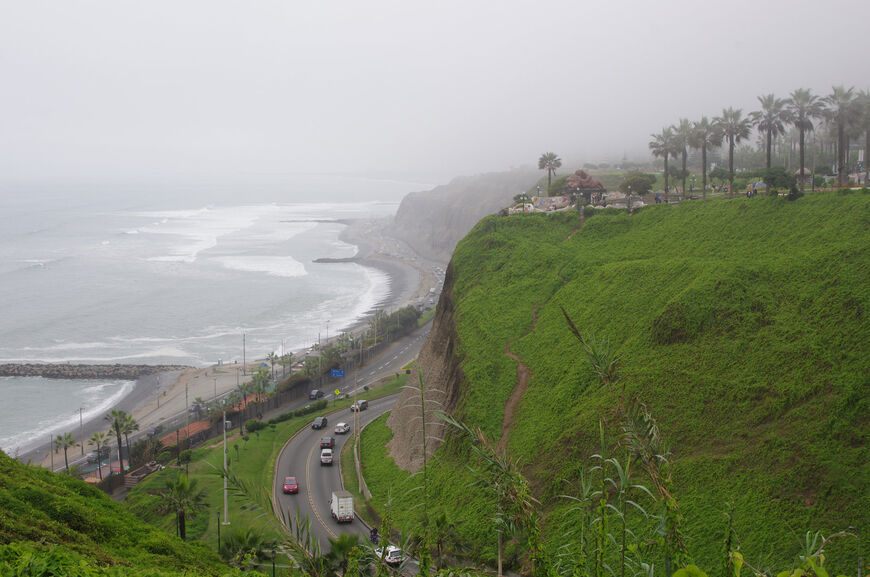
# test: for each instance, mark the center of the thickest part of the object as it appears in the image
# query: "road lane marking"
(308, 491)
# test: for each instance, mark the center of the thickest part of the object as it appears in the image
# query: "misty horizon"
(202, 91)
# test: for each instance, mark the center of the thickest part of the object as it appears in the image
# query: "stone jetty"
(70, 371)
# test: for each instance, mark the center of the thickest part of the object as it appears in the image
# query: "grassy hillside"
(52, 524)
(741, 323)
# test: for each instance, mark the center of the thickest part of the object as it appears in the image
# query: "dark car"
(291, 485)
(327, 443)
(319, 423)
(360, 405)
(315, 394)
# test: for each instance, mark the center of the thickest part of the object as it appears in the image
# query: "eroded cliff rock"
(441, 381)
(433, 221)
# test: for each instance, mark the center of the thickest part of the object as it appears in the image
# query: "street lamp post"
(82, 431)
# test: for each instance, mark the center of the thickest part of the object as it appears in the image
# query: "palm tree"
(182, 498)
(864, 123)
(662, 146)
(771, 119)
(99, 440)
(340, 550)
(273, 358)
(842, 112)
(804, 106)
(549, 161)
(286, 361)
(734, 128)
(241, 544)
(705, 135)
(116, 418)
(128, 426)
(443, 531)
(682, 138)
(65, 442)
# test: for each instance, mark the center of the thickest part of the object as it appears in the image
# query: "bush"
(640, 183)
(253, 425)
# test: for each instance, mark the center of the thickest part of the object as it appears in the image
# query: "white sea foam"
(221, 254)
(284, 266)
(95, 400)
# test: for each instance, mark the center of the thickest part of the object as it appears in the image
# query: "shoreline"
(159, 396)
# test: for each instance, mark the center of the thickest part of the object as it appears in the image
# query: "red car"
(290, 485)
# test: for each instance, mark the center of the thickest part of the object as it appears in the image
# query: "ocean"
(171, 274)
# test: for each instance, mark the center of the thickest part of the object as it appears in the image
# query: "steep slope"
(58, 525)
(741, 324)
(433, 221)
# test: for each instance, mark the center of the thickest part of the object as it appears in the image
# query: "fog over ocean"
(170, 275)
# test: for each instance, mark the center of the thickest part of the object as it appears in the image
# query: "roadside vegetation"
(252, 464)
(53, 524)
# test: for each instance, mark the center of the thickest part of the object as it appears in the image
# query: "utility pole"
(82, 431)
(244, 336)
(51, 451)
(186, 419)
(226, 520)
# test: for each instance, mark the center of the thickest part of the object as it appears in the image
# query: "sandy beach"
(156, 398)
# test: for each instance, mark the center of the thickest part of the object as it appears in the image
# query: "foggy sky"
(124, 90)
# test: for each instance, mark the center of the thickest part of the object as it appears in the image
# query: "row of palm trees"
(121, 422)
(844, 108)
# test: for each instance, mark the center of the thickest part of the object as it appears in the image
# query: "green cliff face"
(742, 324)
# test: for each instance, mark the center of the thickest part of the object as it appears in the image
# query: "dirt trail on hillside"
(520, 387)
(523, 372)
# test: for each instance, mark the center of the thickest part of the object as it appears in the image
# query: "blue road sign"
(338, 373)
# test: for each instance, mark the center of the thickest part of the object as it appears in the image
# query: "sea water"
(158, 274)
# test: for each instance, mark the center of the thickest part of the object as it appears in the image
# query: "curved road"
(300, 457)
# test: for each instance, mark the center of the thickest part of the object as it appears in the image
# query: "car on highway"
(394, 556)
(326, 457)
(360, 405)
(315, 394)
(319, 423)
(327, 443)
(290, 485)
(342, 428)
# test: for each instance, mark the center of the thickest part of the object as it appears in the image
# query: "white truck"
(341, 506)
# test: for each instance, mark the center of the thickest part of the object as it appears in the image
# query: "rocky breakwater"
(68, 371)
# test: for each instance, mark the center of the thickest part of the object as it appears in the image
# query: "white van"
(326, 457)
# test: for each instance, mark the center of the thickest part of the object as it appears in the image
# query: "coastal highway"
(300, 458)
(389, 361)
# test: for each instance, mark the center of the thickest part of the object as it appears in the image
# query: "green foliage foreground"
(52, 524)
(740, 324)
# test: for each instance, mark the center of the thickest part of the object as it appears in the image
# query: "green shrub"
(253, 425)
